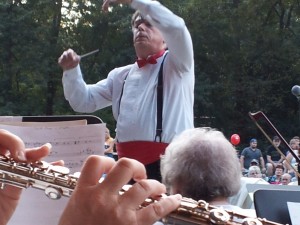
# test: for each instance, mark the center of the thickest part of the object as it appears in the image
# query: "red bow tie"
(151, 59)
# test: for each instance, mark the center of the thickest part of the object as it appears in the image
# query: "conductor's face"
(146, 38)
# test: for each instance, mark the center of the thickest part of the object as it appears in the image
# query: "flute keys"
(42, 165)
(219, 217)
(75, 175)
(53, 192)
(52, 168)
(251, 221)
(59, 169)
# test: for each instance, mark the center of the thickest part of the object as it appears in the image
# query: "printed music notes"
(72, 141)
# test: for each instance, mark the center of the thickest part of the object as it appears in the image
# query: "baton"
(89, 53)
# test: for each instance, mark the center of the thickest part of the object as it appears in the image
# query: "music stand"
(89, 118)
(272, 204)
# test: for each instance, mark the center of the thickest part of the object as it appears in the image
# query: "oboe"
(56, 182)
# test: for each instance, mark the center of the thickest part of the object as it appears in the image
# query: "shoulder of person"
(120, 72)
(121, 69)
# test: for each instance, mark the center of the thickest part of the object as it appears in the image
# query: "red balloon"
(235, 139)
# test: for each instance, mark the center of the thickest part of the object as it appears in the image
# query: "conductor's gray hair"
(201, 164)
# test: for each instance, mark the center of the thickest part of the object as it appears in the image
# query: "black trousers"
(153, 170)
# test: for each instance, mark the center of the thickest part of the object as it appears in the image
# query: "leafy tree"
(246, 57)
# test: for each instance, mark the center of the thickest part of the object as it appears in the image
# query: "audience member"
(276, 178)
(290, 163)
(254, 162)
(254, 171)
(297, 138)
(109, 144)
(202, 164)
(273, 156)
(250, 153)
(92, 202)
(286, 178)
(159, 36)
(294, 181)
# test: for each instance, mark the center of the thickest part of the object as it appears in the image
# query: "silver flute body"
(56, 181)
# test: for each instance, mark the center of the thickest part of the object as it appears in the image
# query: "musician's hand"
(12, 146)
(95, 203)
(68, 60)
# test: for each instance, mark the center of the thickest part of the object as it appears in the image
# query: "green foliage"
(246, 60)
(246, 57)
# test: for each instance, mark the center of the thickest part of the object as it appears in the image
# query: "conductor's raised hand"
(68, 60)
(106, 3)
(94, 203)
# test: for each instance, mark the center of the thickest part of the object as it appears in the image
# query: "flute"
(56, 182)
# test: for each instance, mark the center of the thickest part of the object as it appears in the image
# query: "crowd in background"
(277, 166)
(273, 167)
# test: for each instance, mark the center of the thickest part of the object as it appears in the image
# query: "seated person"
(276, 178)
(273, 156)
(286, 179)
(294, 181)
(290, 162)
(109, 144)
(202, 164)
(254, 171)
(254, 162)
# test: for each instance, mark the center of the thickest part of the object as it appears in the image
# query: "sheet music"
(294, 212)
(70, 143)
(73, 144)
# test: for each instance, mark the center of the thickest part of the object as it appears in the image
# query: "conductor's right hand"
(68, 60)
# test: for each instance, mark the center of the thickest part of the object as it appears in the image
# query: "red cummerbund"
(145, 152)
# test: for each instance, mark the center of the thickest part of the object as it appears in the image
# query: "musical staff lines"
(73, 144)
